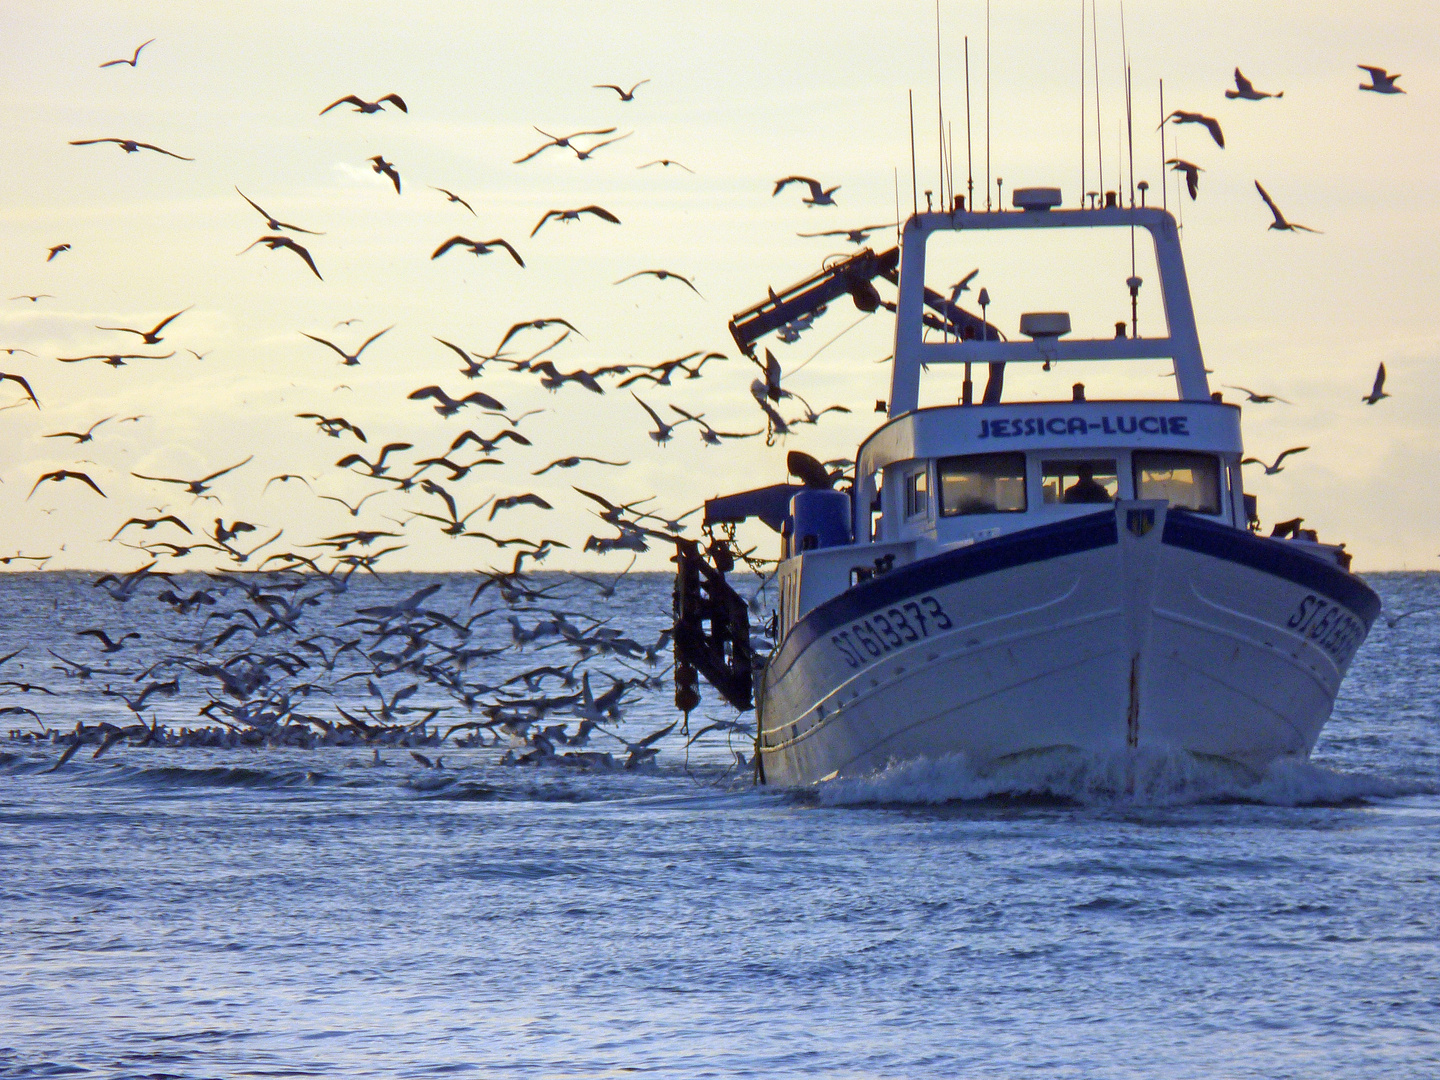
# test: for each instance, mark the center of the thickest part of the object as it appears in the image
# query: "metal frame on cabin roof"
(1182, 344)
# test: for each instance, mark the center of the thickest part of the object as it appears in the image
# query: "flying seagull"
(132, 61)
(584, 155)
(571, 462)
(574, 215)
(1244, 88)
(559, 140)
(625, 95)
(1271, 470)
(19, 380)
(274, 242)
(34, 298)
(450, 195)
(448, 406)
(1180, 116)
(663, 275)
(665, 162)
(272, 222)
(1378, 390)
(662, 431)
(1381, 81)
(854, 236)
(818, 196)
(1280, 222)
(150, 337)
(194, 487)
(1258, 399)
(56, 250)
(115, 360)
(478, 247)
(1192, 173)
(129, 146)
(380, 165)
(362, 106)
(65, 474)
(85, 436)
(350, 359)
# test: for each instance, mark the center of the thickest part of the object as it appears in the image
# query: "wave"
(1135, 777)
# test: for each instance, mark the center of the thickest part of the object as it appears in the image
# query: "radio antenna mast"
(896, 170)
(1099, 136)
(1082, 104)
(914, 191)
(1134, 280)
(969, 153)
(940, 103)
(988, 187)
(1164, 187)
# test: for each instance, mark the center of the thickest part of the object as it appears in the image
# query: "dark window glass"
(1187, 480)
(1092, 480)
(982, 484)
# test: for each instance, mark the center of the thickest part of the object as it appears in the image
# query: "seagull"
(478, 247)
(1378, 390)
(625, 95)
(487, 446)
(354, 510)
(1381, 81)
(129, 146)
(1280, 222)
(1244, 88)
(56, 250)
(19, 380)
(1258, 399)
(571, 462)
(194, 487)
(79, 436)
(708, 434)
(449, 406)
(561, 140)
(362, 106)
(666, 163)
(150, 337)
(1271, 470)
(1393, 621)
(380, 165)
(65, 474)
(818, 196)
(553, 379)
(962, 286)
(34, 298)
(452, 197)
(332, 425)
(275, 242)
(271, 222)
(104, 638)
(584, 155)
(662, 275)
(533, 324)
(1192, 173)
(1180, 116)
(854, 236)
(378, 467)
(115, 360)
(661, 434)
(349, 359)
(510, 501)
(150, 523)
(133, 59)
(574, 215)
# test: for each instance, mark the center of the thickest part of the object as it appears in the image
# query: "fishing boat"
(1004, 579)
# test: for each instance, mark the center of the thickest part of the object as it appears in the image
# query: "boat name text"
(1079, 425)
(1329, 626)
(886, 631)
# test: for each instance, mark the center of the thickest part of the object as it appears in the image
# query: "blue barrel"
(821, 519)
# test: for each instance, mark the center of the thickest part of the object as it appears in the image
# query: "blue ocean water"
(194, 912)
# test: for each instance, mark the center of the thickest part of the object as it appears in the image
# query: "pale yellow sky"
(743, 93)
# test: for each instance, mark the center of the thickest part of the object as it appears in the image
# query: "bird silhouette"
(452, 197)
(1378, 390)
(348, 359)
(150, 337)
(574, 215)
(854, 236)
(65, 474)
(819, 196)
(1192, 174)
(56, 250)
(380, 165)
(1271, 470)
(79, 436)
(363, 106)
(1180, 116)
(1258, 399)
(559, 141)
(1244, 88)
(666, 163)
(1381, 81)
(271, 222)
(448, 406)
(129, 146)
(1280, 222)
(194, 487)
(20, 381)
(478, 247)
(274, 242)
(625, 95)
(134, 59)
(663, 275)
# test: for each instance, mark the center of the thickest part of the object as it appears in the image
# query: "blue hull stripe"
(1275, 557)
(1002, 553)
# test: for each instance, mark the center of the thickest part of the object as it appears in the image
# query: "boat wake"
(1136, 778)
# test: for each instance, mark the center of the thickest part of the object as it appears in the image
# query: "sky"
(742, 94)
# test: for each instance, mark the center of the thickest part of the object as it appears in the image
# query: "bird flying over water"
(625, 95)
(135, 59)
(662, 275)
(1280, 222)
(380, 165)
(1381, 81)
(274, 242)
(349, 359)
(129, 146)
(363, 106)
(574, 215)
(270, 221)
(1180, 116)
(1192, 174)
(1271, 470)
(1378, 390)
(150, 337)
(478, 247)
(1244, 88)
(819, 196)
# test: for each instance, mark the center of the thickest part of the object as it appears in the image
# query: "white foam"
(1143, 777)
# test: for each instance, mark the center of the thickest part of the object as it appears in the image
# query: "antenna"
(1082, 104)
(896, 169)
(950, 144)
(914, 192)
(1164, 187)
(1095, 60)
(969, 154)
(1134, 280)
(987, 105)
(940, 103)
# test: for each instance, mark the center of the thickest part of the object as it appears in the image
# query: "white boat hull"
(1132, 627)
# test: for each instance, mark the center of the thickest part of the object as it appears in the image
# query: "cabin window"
(1082, 480)
(917, 494)
(1186, 480)
(982, 484)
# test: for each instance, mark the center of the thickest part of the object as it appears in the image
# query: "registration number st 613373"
(886, 631)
